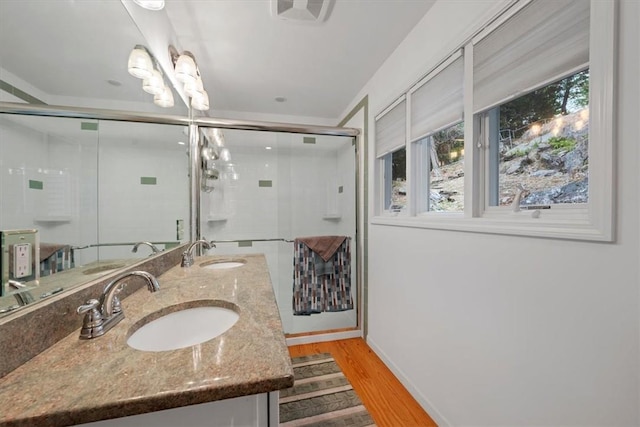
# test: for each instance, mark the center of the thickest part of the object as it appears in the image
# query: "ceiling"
(68, 50)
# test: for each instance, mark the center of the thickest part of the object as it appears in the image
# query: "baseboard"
(422, 400)
(333, 336)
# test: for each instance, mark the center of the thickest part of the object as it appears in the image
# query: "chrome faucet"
(23, 297)
(153, 247)
(187, 256)
(101, 315)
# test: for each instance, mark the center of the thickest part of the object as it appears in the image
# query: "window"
(440, 171)
(436, 112)
(395, 177)
(515, 130)
(391, 154)
(539, 146)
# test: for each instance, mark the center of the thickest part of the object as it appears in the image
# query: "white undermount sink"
(223, 265)
(183, 328)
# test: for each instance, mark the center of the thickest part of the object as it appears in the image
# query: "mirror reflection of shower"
(216, 160)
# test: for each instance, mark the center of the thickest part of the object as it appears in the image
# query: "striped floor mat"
(321, 396)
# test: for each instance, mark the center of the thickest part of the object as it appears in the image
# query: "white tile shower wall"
(293, 206)
(64, 214)
(131, 211)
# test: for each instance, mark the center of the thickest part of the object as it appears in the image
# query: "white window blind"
(540, 43)
(391, 128)
(437, 101)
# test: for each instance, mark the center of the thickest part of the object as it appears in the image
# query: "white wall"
(497, 330)
(305, 180)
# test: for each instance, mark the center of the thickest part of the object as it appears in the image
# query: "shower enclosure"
(271, 188)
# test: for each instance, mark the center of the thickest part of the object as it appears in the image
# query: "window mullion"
(472, 151)
(492, 163)
(410, 183)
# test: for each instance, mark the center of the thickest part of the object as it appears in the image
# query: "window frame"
(383, 163)
(593, 221)
(421, 167)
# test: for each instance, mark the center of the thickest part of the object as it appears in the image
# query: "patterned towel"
(328, 291)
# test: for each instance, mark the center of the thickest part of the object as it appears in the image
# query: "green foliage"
(399, 164)
(448, 140)
(561, 97)
(562, 143)
(521, 152)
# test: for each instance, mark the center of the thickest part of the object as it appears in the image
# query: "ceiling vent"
(308, 11)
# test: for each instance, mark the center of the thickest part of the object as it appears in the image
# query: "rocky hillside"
(550, 160)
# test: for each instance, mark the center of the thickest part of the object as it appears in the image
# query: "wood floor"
(386, 399)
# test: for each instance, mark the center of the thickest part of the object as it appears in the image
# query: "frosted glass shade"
(140, 64)
(200, 101)
(186, 69)
(154, 84)
(194, 87)
(165, 99)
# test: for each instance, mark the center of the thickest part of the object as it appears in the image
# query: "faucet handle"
(187, 259)
(92, 320)
(88, 306)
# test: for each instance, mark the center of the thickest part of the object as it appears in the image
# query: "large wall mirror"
(89, 189)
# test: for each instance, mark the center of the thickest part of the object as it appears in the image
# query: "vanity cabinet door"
(243, 411)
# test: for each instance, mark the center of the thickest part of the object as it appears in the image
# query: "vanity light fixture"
(187, 73)
(144, 66)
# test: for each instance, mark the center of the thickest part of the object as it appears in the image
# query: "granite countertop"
(63, 280)
(78, 381)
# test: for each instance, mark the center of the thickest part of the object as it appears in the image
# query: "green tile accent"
(265, 183)
(245, 244)
(36, 185)
(148, 180)
(89, 126)
(309, 140)
(9, 88)
(340, 189)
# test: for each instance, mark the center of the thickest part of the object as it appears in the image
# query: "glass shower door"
(272, 188)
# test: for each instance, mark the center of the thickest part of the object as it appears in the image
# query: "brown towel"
(48, 249)
(325, 246)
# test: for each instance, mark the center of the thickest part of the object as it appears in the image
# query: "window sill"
(505, 223)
